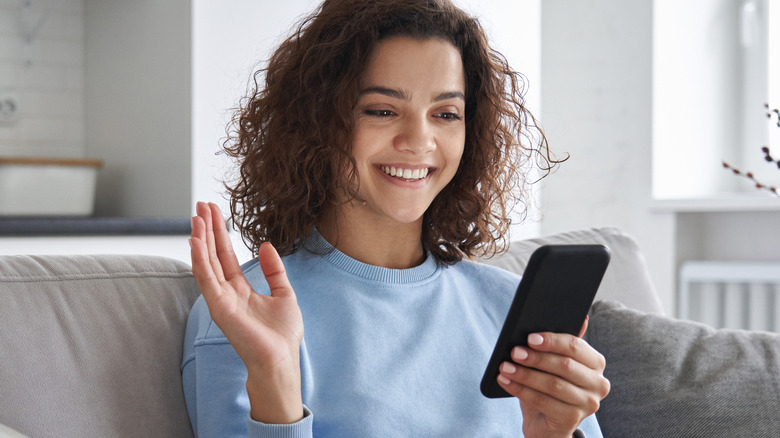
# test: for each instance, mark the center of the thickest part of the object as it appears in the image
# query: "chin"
(407, 217)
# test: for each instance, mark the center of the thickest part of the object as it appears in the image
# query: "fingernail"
(535, 339)
(503, 379)
(519, 353)
(508, 368)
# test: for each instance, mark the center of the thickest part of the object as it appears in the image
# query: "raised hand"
(559, 380)
(266, 331)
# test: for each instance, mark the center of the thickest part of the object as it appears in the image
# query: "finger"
(224, 247)
(558, 366)
(204, 211)
(569, 346)
(274, 271)
(552, 385)
(201, 265)
(565, 415)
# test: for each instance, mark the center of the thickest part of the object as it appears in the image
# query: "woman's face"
(409, 128)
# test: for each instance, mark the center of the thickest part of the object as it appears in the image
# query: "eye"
(449, 116)
(381, 113)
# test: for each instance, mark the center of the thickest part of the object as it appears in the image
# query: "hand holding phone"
(554, 295)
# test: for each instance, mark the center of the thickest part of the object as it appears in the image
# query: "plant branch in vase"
(774, 113)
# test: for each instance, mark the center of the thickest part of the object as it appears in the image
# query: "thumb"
(274, 272)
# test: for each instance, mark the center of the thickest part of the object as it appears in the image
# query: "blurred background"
(648, 97)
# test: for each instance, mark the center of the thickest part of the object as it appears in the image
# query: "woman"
(378, 157)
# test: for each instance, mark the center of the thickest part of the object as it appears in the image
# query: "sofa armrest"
(92, 345)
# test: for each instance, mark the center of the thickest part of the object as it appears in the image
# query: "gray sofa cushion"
(627, 279)
(91, 345)
(683, 379)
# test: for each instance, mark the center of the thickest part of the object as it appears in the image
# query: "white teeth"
(405, 173)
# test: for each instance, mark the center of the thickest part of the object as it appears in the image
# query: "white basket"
(47, 186)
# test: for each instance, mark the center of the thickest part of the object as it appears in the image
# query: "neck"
(377, 243)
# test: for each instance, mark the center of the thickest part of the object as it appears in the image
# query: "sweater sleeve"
(214, 383)
(301, 429)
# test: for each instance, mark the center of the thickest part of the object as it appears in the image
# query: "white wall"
(230, 39)
(616, 85)
(514, 28)
(138, 105)
(730, 236)
(597, 106)
(695, 126)
(42, 68)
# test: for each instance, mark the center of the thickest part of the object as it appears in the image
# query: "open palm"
(265, 330)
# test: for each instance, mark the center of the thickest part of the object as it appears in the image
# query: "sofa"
(90, 346)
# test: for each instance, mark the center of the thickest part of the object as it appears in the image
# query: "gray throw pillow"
(674, 378)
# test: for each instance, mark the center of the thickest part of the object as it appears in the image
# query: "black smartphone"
(555, 293)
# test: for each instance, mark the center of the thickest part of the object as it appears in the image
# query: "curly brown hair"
(292, 135)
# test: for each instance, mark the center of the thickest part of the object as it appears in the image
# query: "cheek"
(362, 141)
(454, 150)
(454, 155)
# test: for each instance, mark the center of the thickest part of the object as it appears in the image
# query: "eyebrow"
(397, 94)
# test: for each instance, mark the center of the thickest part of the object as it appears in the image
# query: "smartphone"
(554, 295)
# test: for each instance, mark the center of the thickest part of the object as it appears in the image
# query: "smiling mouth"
(406, 174)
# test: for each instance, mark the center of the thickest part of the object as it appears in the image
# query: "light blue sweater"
(386, 353)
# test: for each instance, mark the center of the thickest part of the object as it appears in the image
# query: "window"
(716, 65)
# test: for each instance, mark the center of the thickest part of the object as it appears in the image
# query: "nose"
(416, 136)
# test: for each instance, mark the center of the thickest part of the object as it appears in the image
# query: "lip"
(407, 165)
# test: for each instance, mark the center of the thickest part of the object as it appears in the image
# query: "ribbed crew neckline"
(318, 245)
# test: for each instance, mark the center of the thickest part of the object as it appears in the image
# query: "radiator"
(734, 295)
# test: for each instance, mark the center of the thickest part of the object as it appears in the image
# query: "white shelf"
(733, 202)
